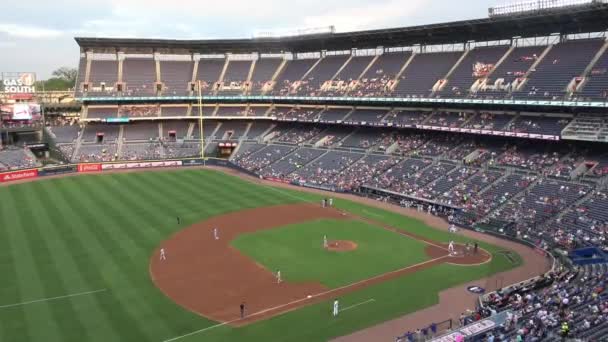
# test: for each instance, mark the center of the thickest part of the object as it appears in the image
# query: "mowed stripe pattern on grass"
(79, 234)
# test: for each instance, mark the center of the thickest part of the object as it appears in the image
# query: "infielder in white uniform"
(331, 202)
(336, 308)
(325, 244)
(162, 254)
(216, 234)
(279, 277)
(451, 247)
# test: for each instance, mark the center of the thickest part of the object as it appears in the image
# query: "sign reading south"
(19, 82)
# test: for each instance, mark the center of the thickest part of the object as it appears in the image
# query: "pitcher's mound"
(341, 246)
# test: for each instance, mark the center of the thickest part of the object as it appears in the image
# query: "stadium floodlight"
(530, 6)
(282, 33)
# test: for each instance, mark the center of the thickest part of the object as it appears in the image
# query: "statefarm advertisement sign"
(18, 175)
(19, 82)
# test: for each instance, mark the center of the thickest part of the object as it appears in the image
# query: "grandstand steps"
(402, 70)
(121, 60)
(194, 73)
(566, 210)
(508, 123)
(223, 73)
(84, 112)
(190, 130)
(388, 112)
(160, 130)
(595, 59)
(121, 134)
(440, 87)
(369, 66)
(214, 112)
(320, 113)
(214, 132)
(157, 70)
(466, 122)
(588, 69)
(268, 111)
(276, 74)
(501, 60)
(514, 198)
(247, 89)
(482, 82)
(261, 137)
(341, 68)
(499, 179)
(347, 136)
(311, 68)
(352, 110)
(87, 72)
(392, 149)
(428, 118)
(533, 67)
(244, 135)
(303, 165)
(77, 144)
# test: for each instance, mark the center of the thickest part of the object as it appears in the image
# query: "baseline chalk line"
(278, 307)
(52, 298)
(358, 304)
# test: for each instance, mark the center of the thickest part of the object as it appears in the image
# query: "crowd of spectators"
(14, 158)
(571, 303)
(139, 111)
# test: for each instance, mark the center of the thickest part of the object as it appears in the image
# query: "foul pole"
(200, 118)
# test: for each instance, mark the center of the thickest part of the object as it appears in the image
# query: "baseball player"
(162, 254)
(451, 247)
(216, 234)
(325, 244)
(178, 220)
(336, 308)
(242, 307)
(279, 277)
(331, 202)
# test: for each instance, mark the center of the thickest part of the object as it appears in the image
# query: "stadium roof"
(592, 18)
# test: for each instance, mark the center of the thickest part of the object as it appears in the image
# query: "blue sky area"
(37, 35)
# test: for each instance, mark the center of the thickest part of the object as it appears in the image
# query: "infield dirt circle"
(341, 246)
(211, 278)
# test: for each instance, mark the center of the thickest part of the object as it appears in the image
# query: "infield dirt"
(211, 278)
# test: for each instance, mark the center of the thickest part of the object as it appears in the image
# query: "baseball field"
(79, 259)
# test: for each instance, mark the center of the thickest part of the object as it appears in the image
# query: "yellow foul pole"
(200, 118)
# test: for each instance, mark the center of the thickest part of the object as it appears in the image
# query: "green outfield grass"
(96, 233)
(297, 250)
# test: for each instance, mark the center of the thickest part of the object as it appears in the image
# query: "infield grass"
(297, 250)
(76, 234)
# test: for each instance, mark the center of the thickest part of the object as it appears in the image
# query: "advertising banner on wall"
(89, 167)
(140, 165)
(17, 175)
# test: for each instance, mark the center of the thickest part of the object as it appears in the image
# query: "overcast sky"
(37, 35)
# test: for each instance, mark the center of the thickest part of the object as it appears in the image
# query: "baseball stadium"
(443, 182)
